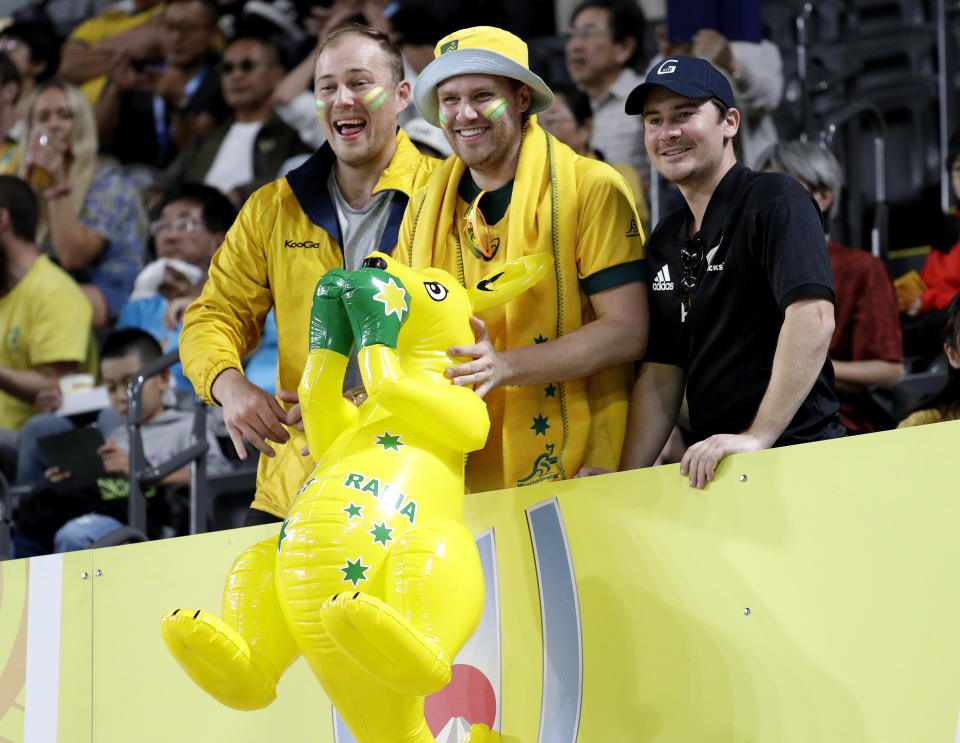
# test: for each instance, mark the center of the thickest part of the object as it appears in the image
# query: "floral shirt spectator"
(114, 211)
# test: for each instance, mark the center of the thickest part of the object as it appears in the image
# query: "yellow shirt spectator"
(44, 319)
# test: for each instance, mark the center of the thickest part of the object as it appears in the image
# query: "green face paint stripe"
(443, 119)
(320, 104)
(375, 98)
(496, 109)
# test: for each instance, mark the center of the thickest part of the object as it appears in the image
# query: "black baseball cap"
(691, 77)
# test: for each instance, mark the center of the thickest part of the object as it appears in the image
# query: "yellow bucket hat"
(481, 50)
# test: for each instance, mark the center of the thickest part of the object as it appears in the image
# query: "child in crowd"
(64, 516)
(945, 405)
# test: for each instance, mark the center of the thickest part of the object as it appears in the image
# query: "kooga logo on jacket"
(304, 244)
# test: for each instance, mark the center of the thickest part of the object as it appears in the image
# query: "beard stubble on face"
(490, 155)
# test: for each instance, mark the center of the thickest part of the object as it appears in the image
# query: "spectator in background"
(145, 114)
(9, 96)
(570, 120)
(940, 276)
(416, 25)
(80, 516)
(755, 71)
(296, 31)
(91, 218)
(44, 318)
(62, 15)
(249, 147)
(124, 28)
(603, 44)
(945, 405)
(867, 348)
(34, 48)
(192, 224)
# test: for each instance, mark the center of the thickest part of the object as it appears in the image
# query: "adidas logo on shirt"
(662, 282)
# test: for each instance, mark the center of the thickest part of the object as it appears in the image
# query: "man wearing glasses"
(554, 366)
(741, 288)
(603, 43)
(248, 149)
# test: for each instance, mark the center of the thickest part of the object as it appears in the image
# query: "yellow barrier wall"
(809, 594)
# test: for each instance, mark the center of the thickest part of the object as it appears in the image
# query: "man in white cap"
(554, 366)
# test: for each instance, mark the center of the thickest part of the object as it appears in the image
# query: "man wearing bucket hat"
(555, 365)
(331, 212)
(741, 305)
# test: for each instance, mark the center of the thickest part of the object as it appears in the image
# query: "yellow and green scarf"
(544, 429)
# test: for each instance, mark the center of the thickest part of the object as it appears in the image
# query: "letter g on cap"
(667, 66)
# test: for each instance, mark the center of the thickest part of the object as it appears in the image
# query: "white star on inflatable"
(392, 297)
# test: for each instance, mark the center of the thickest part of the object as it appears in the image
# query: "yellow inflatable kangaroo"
(374, 577)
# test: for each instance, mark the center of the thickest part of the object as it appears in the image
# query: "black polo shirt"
(764, 249)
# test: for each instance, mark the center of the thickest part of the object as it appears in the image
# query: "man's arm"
(654, 405)
(83, 61)
(116, 461)
(854, 376)
(25, 384)
(875, 355)
(801, 350)
(618, 334)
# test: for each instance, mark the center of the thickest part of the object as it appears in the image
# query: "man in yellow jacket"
(346, 201)
(555, 365)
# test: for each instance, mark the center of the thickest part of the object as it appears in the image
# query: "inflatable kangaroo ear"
(515, 278)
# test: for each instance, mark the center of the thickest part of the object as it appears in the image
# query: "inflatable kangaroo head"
(440, 308)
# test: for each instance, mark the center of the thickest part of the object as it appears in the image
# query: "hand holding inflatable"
(374, 578)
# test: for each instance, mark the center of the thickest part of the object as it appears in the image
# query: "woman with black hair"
(945, 405)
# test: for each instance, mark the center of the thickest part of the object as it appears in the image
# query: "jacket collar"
(309, 185)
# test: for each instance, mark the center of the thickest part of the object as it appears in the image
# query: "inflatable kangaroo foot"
(386, 644)
(218, 659)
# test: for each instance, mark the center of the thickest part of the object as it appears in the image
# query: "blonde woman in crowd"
(92, 221)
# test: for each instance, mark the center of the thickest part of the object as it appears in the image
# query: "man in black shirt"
(741, 292)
